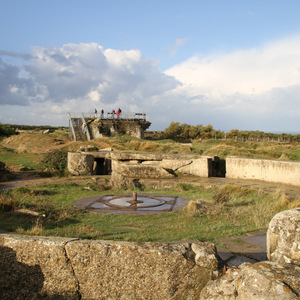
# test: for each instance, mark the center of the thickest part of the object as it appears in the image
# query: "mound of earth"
(39, 142)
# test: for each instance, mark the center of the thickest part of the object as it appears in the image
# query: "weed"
(56, 160)
(238, 241)
(293, 204)
(35, 229)
(221, 197)
(7, 202)
(185, 187)
(23, 190)
(243, 210)
(192, 208)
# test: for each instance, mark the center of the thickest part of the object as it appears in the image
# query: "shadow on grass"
(26, 223)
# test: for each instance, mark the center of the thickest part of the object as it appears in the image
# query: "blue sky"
(232, 64)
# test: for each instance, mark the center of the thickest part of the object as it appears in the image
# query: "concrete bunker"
(149, 165)
(143, 165)
(86, 127)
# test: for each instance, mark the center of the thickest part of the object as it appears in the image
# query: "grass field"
(214, 212)
(28, 148)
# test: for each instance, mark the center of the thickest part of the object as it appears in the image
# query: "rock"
(61, 268)
(261, 281)
(206, 256)
(120, 270)
(80, 163)
(88, 148)
(283, 237)
(35, 267)
(124, 174)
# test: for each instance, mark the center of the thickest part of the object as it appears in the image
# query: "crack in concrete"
(184, 166)
(73, 271)
(172, 171)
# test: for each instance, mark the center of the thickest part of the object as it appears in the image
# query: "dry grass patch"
(7, 202)
(36, 229)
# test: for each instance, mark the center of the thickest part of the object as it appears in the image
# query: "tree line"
(186, 132)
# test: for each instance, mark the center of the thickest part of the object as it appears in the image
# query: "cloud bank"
(255, 88)
(252, 89)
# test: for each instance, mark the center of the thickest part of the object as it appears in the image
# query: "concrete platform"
(236, 250)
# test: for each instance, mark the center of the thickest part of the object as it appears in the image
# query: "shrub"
(6, 130)
(221, 197)
(185, 187)
(7, 202)
(56, 160)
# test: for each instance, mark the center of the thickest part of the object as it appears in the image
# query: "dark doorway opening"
(102, 166)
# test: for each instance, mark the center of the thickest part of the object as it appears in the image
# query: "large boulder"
(121, 270)
(283, 237)
(80, 163)
(125, 173)
(61, 268)
(35, 267)
(261, 281)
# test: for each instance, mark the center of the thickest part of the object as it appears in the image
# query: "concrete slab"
(236, 250)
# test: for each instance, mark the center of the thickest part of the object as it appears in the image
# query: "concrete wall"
(34, 267)
(60, 268)
(101, 128)
(286, 172)
(142, 165)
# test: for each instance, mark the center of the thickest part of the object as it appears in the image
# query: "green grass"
(245, 210)
(13, 158)
(229, 211)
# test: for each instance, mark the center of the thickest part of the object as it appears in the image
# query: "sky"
(233, 64)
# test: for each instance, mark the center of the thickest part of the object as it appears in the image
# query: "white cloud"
(255, 89)
(81, 77)
(246, 71)
(258, 82)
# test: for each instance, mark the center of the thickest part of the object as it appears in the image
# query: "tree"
(6, 130)
(173, 131)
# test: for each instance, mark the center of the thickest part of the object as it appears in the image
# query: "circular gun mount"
(132, 203)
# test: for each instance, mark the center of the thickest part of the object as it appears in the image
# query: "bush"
(6, 130)
(221, 197)
(56, 160)
(7, 202)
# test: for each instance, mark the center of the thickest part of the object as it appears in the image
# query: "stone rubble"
(263, 280)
